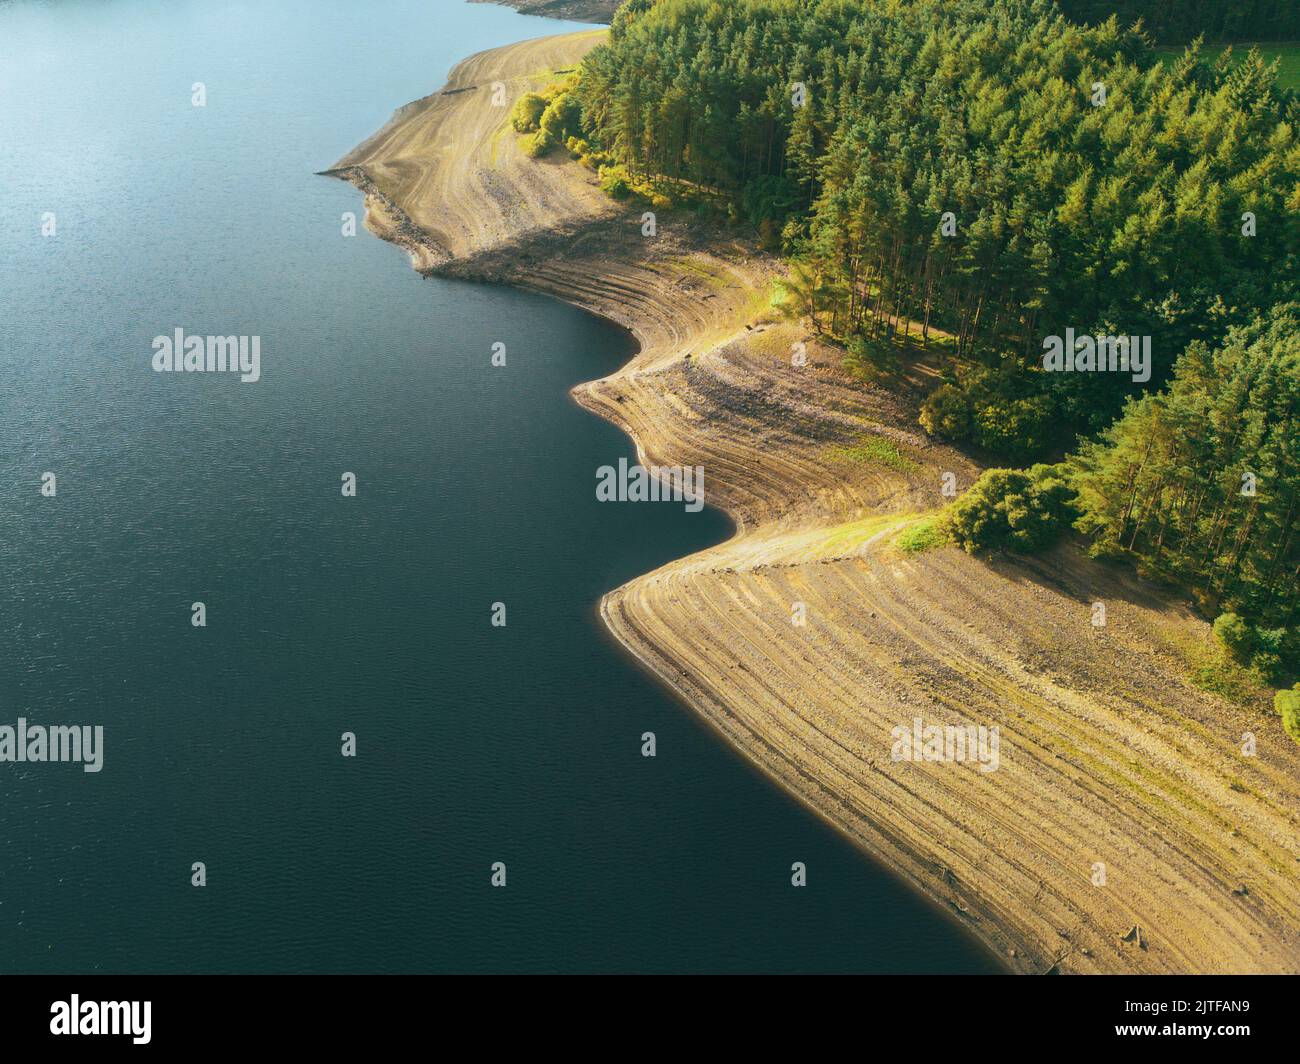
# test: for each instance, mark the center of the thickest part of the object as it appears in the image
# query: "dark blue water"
(329, 614)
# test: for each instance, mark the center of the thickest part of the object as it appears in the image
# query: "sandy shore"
(1109, 757)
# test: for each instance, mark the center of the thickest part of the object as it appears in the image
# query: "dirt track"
(1108, 755)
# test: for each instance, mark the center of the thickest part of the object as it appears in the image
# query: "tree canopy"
(988, 170)
(1179, 21)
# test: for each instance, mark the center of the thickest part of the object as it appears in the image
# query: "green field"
(1288, 73)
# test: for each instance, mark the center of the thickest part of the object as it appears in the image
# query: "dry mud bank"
(1108, 757)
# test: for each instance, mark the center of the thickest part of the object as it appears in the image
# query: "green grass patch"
(844, 539)
(878, 450)
(923, 535)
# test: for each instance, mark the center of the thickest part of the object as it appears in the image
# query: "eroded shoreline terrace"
(1122, 830)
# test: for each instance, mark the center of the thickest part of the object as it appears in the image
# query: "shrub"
(1015, 427)
(1236, 635)
(614, 182)
(539, 144)
(1271, 653)
(1287, 703)
(1269, 667)
(527, 112)
(1276, 654)
(946, 413)
(984, 407)
(1013, 509)
(562, 118)
(1282, 642)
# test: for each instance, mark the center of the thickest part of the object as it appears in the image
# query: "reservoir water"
(127, 212)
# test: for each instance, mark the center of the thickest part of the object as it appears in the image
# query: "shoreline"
(1112, 758)
(572, 10)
